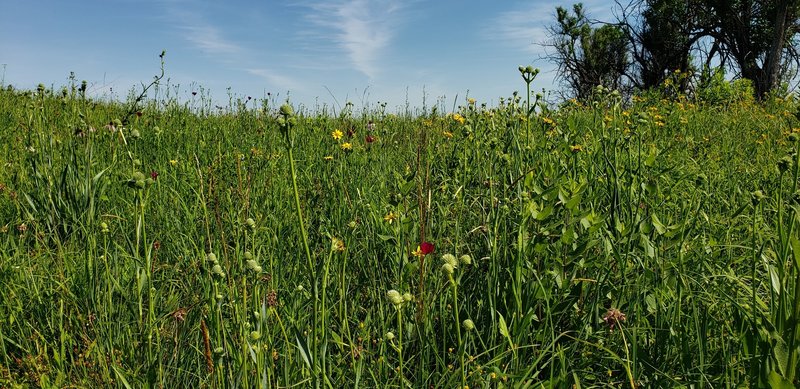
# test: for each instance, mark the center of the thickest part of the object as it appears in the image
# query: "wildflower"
(389, 218)
(369, 139)
(408, 297)
(173, 162)
(250, 223)
(460, 119)
(613, 318)
(447, 134)
(347, 146)
(328, 158)
(471, 101)
(104, 227)
(337, 244)
(389, 336)
(154, 175)
(427, 248)
(370, 126)
(255, 335)
(576, 148)
(336, 134)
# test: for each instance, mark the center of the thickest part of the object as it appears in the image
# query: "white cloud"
(361, 28)
(209, 39)
(276, 80)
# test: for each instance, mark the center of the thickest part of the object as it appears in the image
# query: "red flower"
(426, 248)
(153, 175)
(370, 139)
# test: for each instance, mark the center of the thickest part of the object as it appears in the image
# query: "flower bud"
(250, 223)
(408, 297)
(217, 270)
(448, 269)
(465, 260)
(211, 257)
(389, 336)
(468, 325)
(255, 335)
(450, 259)
(287, 110)
(394, 297)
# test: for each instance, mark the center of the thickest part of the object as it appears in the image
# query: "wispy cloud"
(209, 39)
(276, 80)
(525, 30)
(361, 28)
(198, 31)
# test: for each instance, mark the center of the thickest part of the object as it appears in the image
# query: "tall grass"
(650, 243)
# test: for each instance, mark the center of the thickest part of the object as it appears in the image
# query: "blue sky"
(363, 51)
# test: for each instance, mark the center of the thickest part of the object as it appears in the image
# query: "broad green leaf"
(657, 224)
(777, 382)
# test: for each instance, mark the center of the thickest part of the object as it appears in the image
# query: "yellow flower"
(549, 121)
(417, 253)
(336, 134)
(460, 119)
(173, 162)
(346, 146)
(328, 158)
(576, 148)
(427, 123)
(447, 134)
(337, 244)
(389, 218)
(471, 100)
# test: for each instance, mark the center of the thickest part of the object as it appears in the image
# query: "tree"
(759, 36)
(587, 56)
(662, 35)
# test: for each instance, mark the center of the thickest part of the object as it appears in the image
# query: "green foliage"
(714, 89)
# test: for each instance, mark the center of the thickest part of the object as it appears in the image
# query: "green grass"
(548, 226)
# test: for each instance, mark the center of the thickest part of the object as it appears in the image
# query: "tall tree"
(587, 56)
(758, 35)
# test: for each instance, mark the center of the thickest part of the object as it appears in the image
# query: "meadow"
(644, 242)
